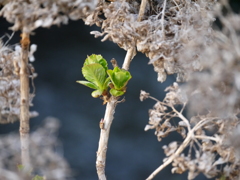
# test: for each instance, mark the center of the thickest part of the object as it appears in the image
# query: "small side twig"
(185, 120)
(114, 62)
(207, 137)
(106, 124)
(172, 157)
(24, 102)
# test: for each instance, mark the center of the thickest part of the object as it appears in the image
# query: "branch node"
(121, 101)
(25, 41)
(114, 63)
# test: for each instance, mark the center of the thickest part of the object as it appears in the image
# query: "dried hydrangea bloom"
(217, 87)
(210, 141)
(161, 34)
(10, 83)
(45, 148)
(143, 95)
(29, 15)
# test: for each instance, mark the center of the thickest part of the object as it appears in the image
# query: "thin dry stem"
(162, 20)
(191, 136)
(24, 109)
(181, 147)
(104, 135)
(105, 128)
(142, 10)
(128, 58)
(182, 117)
(207, 137)
(172, 157)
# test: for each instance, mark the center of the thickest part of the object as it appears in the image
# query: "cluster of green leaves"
(99, 77)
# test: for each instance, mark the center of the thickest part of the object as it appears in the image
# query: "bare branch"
(172, 157)
(24, 109)
(103, 141)
(106, 124)
(129, 56)
(142, 10)
(162, 19)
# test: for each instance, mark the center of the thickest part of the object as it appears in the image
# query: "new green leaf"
(96, 75)
(88, 84)
(119, 78)
(96, 59)
(116, 93)
(97, 93)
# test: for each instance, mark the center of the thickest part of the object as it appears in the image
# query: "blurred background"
(132, 154)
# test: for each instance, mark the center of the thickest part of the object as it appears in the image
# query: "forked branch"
(190, 137)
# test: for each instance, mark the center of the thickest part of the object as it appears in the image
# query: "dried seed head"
(143, 95)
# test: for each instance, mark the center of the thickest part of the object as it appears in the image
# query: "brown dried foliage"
(211, 96)
(213, 155)
(27, 15)
(10, 83)
(45, 154)
(161, 35)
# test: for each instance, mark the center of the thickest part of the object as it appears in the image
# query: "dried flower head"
(10, 83)
(163, 33)
(143, 95)
(29, 15)
(217, 87)
(205, 152)
(212, 99)
(45, 160)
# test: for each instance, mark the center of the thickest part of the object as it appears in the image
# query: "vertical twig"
(142, 10)
(104, 135)
(24, 98)
(162, 19)
(128, 58)
(106, 124)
